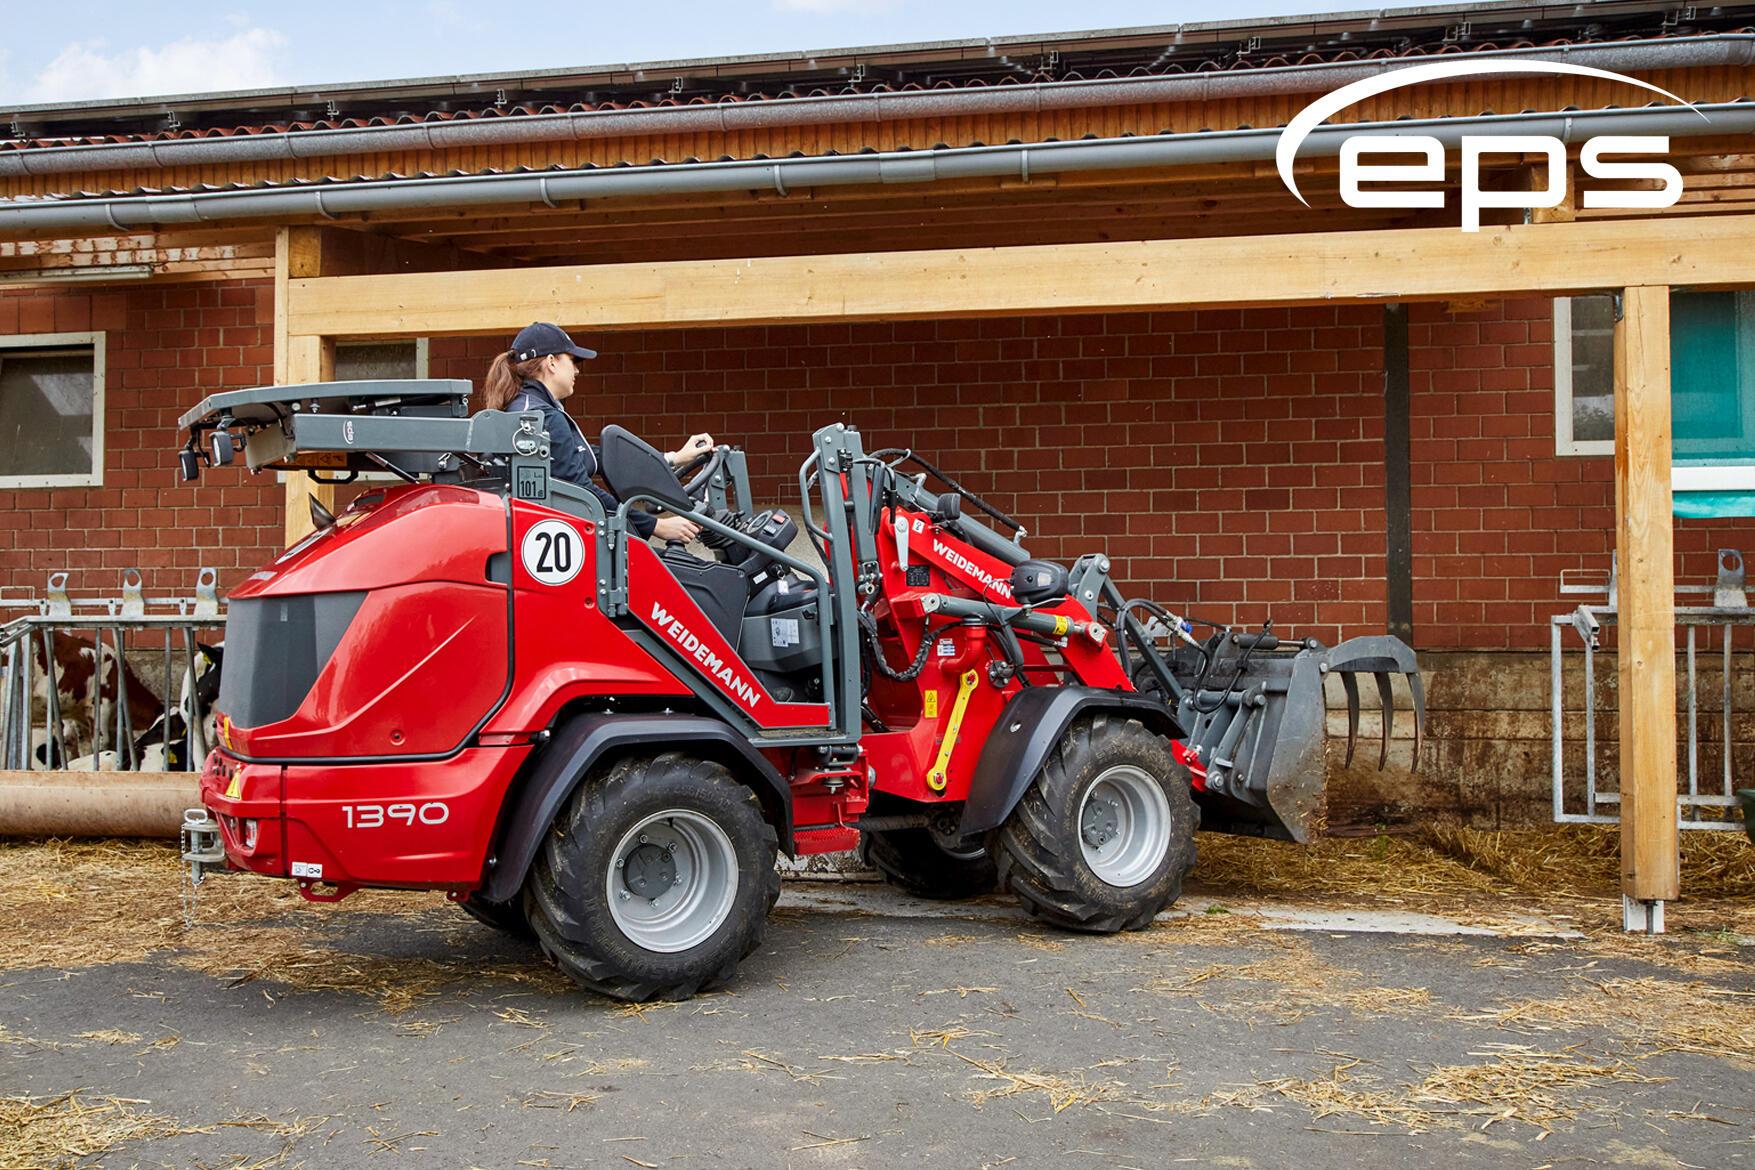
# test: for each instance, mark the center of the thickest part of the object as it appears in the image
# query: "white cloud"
(826, 6)
(84, 69)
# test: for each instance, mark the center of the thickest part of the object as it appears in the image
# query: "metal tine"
(164, 727)
(125, 760)
(1351, 686)
(55, 743)
(1385, 699)
(1418, 690)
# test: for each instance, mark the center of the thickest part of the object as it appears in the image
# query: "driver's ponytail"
(503, 379)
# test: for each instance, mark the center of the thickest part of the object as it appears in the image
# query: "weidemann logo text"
(1355, 172)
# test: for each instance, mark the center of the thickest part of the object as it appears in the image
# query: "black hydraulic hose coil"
(868, 626)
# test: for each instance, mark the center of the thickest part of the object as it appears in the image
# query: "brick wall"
(1229, 461)
(166, 347)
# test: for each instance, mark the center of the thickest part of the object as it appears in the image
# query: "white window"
(52, 410)
(1584, 375)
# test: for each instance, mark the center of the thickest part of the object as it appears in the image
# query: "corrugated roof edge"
(1192, 32)
(267, 144)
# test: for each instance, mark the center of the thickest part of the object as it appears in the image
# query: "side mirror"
(189, 462)
(220, 445)
(1038, 582)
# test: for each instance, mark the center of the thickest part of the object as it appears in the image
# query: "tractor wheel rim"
(696, 863)
(1124, 826)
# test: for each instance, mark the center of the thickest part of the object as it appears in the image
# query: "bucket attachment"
(1257, 722)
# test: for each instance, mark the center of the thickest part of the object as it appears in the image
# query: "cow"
(162, 749)
(75, 677)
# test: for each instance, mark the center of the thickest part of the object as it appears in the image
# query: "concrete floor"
(871, 1030)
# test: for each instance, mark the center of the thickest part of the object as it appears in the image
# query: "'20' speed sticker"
(552, 552)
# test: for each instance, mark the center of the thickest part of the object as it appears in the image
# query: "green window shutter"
(1712, 368)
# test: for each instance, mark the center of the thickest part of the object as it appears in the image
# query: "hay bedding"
(1512, 1083)
(1568, 872)
(79, 904)
(1287, 986)
(64, 1131)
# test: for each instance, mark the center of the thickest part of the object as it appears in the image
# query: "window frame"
(50, 341)
(1564, 443)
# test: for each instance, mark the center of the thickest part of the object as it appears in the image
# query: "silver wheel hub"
(1124, 826)
(1101, 820)
(672, 880)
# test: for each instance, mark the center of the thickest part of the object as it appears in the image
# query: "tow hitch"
(202, 848)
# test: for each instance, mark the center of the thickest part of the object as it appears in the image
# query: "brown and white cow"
(76, 675)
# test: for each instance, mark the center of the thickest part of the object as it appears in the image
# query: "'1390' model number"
(376, 816)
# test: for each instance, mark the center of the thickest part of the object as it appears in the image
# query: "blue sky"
(73, 51)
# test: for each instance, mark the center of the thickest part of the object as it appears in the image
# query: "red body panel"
(425, 658)
(419, 667)
(660, 603)
(403, 538)
(565, 648)
(419, 824)
(904, 756)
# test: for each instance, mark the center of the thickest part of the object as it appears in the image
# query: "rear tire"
(655, 879)
(916, 861)
(1101, 839)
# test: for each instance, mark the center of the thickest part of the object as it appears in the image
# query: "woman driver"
(536, 374)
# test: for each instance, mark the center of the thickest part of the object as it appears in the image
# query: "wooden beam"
(309, 359)
(1646, 622)
(298, 255)
(1367, 266)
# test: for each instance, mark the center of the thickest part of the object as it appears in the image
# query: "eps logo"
(552, 552)
(1550, 192)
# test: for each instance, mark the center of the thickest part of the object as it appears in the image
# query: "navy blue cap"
(539, 339)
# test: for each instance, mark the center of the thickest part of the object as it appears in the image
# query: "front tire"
(655, 879)
(1102, 838)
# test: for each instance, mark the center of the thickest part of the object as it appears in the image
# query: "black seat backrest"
(632, 466)
(720, 590)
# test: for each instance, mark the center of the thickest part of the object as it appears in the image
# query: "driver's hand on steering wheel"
(697, 446)
(671, 528)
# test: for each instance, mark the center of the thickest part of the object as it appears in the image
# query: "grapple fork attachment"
(1381, 656)
(1262, 739)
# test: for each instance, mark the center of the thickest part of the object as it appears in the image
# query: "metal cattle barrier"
(1703, 804)
(111, 623)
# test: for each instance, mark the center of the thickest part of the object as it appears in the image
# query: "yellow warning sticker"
(931, 701)
(236, 788)
(1060, 624)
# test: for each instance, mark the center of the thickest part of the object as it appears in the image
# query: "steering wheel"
(709, 463)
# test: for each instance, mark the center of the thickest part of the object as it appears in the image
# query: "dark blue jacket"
(571, 456)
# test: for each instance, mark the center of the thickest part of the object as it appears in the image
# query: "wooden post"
(298, 253)
(1650, 854)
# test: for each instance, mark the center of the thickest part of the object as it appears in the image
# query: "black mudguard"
(1032, 723)
(557, 767)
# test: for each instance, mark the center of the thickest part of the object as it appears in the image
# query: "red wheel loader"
(475, 680)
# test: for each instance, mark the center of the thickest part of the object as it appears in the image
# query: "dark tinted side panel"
(275, 648)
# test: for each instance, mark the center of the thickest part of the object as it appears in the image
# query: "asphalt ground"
(870, 1030)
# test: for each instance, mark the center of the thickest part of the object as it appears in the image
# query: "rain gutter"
(784, 176)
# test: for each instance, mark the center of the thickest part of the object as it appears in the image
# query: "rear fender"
(1029, 727)
(581, 743)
